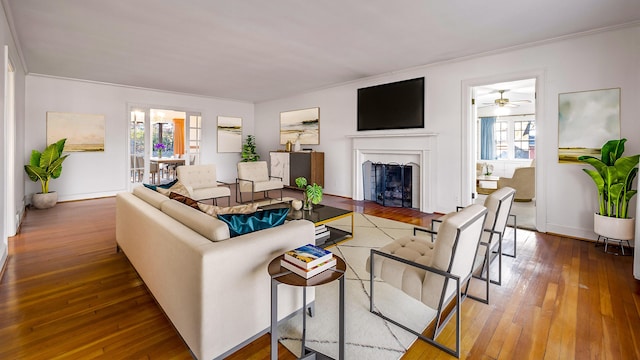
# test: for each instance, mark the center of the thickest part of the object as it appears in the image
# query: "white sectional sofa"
(214, 289)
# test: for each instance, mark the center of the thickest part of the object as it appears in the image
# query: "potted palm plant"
(43, 167)
(613, 176)
(249, 149)
(312, 192)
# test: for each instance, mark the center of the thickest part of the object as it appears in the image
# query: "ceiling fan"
(504, 102)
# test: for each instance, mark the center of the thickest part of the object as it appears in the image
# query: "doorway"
(504, 119)
(159, 141)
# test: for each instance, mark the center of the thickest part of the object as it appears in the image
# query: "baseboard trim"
(4, 259)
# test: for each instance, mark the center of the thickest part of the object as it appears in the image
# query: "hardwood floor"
(67, 294)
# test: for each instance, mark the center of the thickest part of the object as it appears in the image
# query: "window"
(513, 138)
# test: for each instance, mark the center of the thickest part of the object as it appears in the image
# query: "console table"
(280, 275)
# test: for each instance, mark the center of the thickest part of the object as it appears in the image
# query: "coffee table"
(320, 215)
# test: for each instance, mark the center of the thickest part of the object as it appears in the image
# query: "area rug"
(367, 336)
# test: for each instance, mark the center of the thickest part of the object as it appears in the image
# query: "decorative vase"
(160, 153)
(44, 201)
(296, 146)
(614, 228)
(296, 204)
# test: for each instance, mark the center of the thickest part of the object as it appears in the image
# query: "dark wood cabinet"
(290, 165)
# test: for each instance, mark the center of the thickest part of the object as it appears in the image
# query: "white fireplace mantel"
(401, 148)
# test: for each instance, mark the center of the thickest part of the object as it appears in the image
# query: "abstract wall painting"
(302, 125)
(84, 132)
(229, 134)
(587, 120)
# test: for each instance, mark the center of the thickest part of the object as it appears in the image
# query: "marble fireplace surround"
(419, 148)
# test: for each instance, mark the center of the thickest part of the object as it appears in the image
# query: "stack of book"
(322, 234)
(308, 260)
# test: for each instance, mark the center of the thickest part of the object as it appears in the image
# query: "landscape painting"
(587, 120)
(229, 134)
(302, 125)
(84, 132)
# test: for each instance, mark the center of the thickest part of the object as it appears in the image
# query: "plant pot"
(614, 228)
(44, 201)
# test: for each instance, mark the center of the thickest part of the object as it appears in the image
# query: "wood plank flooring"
(67, 294)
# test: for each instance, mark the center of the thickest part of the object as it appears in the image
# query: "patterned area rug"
(367, 336)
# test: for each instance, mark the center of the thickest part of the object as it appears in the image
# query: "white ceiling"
(256, 50)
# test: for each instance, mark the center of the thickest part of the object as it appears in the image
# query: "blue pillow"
(164, 186)
(240, 224)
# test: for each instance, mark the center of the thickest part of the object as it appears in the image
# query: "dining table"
(167, 164)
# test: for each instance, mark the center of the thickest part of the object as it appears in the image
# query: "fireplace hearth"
(389, 184)
(400, 148)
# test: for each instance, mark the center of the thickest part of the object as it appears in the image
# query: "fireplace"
(389, 184)
(417, 149)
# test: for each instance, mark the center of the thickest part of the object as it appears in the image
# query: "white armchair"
(253, 177)
(201, 183)
(432, 272)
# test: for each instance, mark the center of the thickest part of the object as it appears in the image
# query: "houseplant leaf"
(612, 150)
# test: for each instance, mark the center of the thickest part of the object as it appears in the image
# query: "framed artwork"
(302, 125)
(229, 134)
(587, 120)
(84, 132)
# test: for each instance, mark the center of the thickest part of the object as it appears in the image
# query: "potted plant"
(312, 193)
(249, 150)
(43, 167)
(613, 176)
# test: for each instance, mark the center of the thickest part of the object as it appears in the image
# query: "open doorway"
(505, 138)
(160, 140)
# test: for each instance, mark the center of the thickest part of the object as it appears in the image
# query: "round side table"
(280, 275)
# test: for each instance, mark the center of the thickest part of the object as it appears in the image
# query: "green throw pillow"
(240, 224)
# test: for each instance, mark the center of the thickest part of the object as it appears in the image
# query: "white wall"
(568, 198)
(89, 175)
(13, 184)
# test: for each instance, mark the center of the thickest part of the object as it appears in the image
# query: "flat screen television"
(398, 105)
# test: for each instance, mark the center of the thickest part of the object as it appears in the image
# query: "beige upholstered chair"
(432, 272)
(253, 177)
(498, 206)
(202, 184)
(523, 181)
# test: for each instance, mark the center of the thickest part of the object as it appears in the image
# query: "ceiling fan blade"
(520, 101)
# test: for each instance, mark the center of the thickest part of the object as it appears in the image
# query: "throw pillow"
(184, 199)
(162, 186)
(213, 210)
(177, 188)
(240, 224)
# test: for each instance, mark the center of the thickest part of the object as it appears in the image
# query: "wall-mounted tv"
(398, 105)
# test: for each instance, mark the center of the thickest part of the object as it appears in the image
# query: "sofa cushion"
(152, 197)
(213, 210)
(184, 199)
(240, 224)
(205, 225)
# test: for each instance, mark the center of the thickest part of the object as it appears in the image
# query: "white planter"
(296, 204)
(44, 201)
(614, 228)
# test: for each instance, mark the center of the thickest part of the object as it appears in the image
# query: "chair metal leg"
(515, 237)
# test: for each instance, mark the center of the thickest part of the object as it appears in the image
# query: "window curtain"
(178, 137)
(487, 138)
